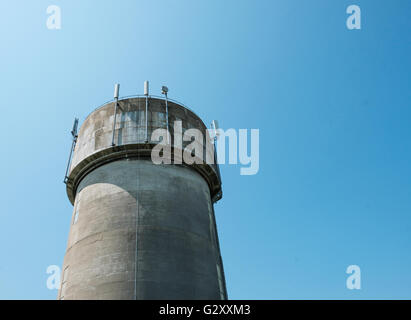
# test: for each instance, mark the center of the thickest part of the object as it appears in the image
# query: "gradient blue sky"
(332, 106)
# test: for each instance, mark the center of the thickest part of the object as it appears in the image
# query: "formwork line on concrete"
(137, 225)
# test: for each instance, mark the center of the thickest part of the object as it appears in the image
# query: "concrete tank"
(140, 230)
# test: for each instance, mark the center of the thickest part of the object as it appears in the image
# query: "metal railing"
(217, 166)
(142, 96)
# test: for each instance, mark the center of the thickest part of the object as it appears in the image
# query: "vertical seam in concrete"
(137, 222)
(135, 262)
(219, 257)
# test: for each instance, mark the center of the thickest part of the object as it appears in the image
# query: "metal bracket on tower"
(164, 90)
(214, 125)
(73, 145)
(116, 93)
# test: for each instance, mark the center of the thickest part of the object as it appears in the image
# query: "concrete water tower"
(140, 230)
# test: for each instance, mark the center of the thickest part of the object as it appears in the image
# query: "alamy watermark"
(53, 281)
(54, 19)
(354, 280)
(193, 147)
(354, 20)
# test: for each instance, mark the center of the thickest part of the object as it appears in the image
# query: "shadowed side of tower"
(140, 230)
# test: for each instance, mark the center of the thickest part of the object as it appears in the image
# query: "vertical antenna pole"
(146, 92)
(168, 132)
(116, 93)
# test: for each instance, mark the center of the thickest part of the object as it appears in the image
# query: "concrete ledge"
(134, 151)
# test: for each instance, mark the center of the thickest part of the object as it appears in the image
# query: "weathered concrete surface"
(139, 230)
(95, 138)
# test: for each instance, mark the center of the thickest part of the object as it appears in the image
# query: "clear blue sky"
(332, 106)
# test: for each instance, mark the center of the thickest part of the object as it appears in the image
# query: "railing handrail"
(141, 96)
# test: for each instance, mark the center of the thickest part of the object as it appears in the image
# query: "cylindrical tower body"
(140, 230)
